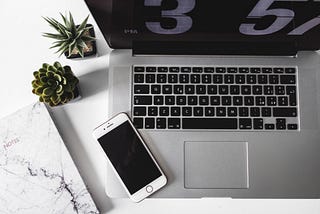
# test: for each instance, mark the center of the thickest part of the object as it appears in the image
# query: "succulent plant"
(70, 38)
(54, 84)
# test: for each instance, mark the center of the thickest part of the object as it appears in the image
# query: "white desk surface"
(23, 50)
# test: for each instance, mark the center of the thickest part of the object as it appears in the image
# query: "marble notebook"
(37, 174)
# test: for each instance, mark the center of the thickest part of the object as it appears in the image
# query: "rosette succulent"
(54, 84)
(71, 39)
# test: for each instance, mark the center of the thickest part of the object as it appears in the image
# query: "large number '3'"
(184, 22)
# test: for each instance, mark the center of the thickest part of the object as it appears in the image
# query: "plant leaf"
(72, 25)
(83, 24)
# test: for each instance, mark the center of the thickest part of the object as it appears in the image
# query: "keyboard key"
(215, 100)
(232, 111)
(138, 78)
(174, 69)
(192, 100)
(209, 70)
(249, 100)
(266, 112)
(149, 123)
(152, 111)
(184, 78)
(273, 79)
(272, 101)
(221, 111)
(257, 89)
(151, 69)
(209, 111)
(200, 89)
(283, 101)
(290, 70)
(142, 100)
(158, 100)
(195, 78)
(150, 78)
(212, 89)
(198, 111)
(280, 123)
(234, 89)
(162, 69)
(181, 100)
(138, 122)
(174, 123)
(292, 126)
(139, 69)
(223, 89)
(245, 89)
(258, 123)
(255, 70)
(244, 112)
(269, 126)
(284, 112)
(220, 70)
(178, 89)
(139, 111)
(226, 100)
(173, 78)
(288, 79)
(169, 100)
(228, 79)
(243, 70)
(185, 69)
(251, 79)
(278, 70)
(167, 89)
(186, 111)
(197, 70)
(268, 90)
(260, 101)
(209, 123)
(245, 123)
(262, 79)
(206, 78)
(161, 123)
(240, 79)
(189, 89)
(237, 100)
(266, 70)
(217, 78)
(141, 89)
(255, 112)
(164, 111)
(175, 111)
(203, 100)
(232, 70)
(279, 90)
(161, 78)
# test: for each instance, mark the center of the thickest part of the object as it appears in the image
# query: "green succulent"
(70, 38)
(54, 84)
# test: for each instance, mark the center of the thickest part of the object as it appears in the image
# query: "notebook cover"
(37, 174)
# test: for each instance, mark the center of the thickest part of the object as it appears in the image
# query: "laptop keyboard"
(221, 98)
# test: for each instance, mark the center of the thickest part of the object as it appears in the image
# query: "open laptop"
(225, 93)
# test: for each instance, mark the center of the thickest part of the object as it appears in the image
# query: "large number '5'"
(283, 18)
(184, 22)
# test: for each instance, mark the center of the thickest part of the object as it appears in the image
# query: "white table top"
(23, 50)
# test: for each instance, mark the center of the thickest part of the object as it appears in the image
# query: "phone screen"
(129, 157)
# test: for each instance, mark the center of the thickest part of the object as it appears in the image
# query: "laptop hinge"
(214, 48)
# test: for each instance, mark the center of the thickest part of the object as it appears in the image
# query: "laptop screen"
(188, 24)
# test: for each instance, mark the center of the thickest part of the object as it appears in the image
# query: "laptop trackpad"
(216, 165)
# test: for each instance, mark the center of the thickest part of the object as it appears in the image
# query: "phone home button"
(149, 189)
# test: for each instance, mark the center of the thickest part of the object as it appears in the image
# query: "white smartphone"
(130, 158)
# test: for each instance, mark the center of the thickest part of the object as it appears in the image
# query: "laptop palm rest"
(216, 165)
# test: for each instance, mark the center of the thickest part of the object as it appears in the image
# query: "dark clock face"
(211, 20)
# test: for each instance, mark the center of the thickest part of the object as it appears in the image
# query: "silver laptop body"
(229, 163)
(276, 156)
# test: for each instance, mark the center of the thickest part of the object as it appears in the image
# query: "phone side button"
(149, 189)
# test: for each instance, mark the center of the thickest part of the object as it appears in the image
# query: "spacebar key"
(209, 123)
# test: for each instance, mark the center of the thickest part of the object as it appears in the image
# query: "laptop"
(226, 94)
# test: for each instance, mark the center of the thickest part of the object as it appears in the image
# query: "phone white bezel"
(108, 126)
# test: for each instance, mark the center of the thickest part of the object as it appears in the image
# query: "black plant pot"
(93, 50)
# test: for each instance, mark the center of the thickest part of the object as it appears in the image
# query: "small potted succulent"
(55, 85)
(73, 41)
